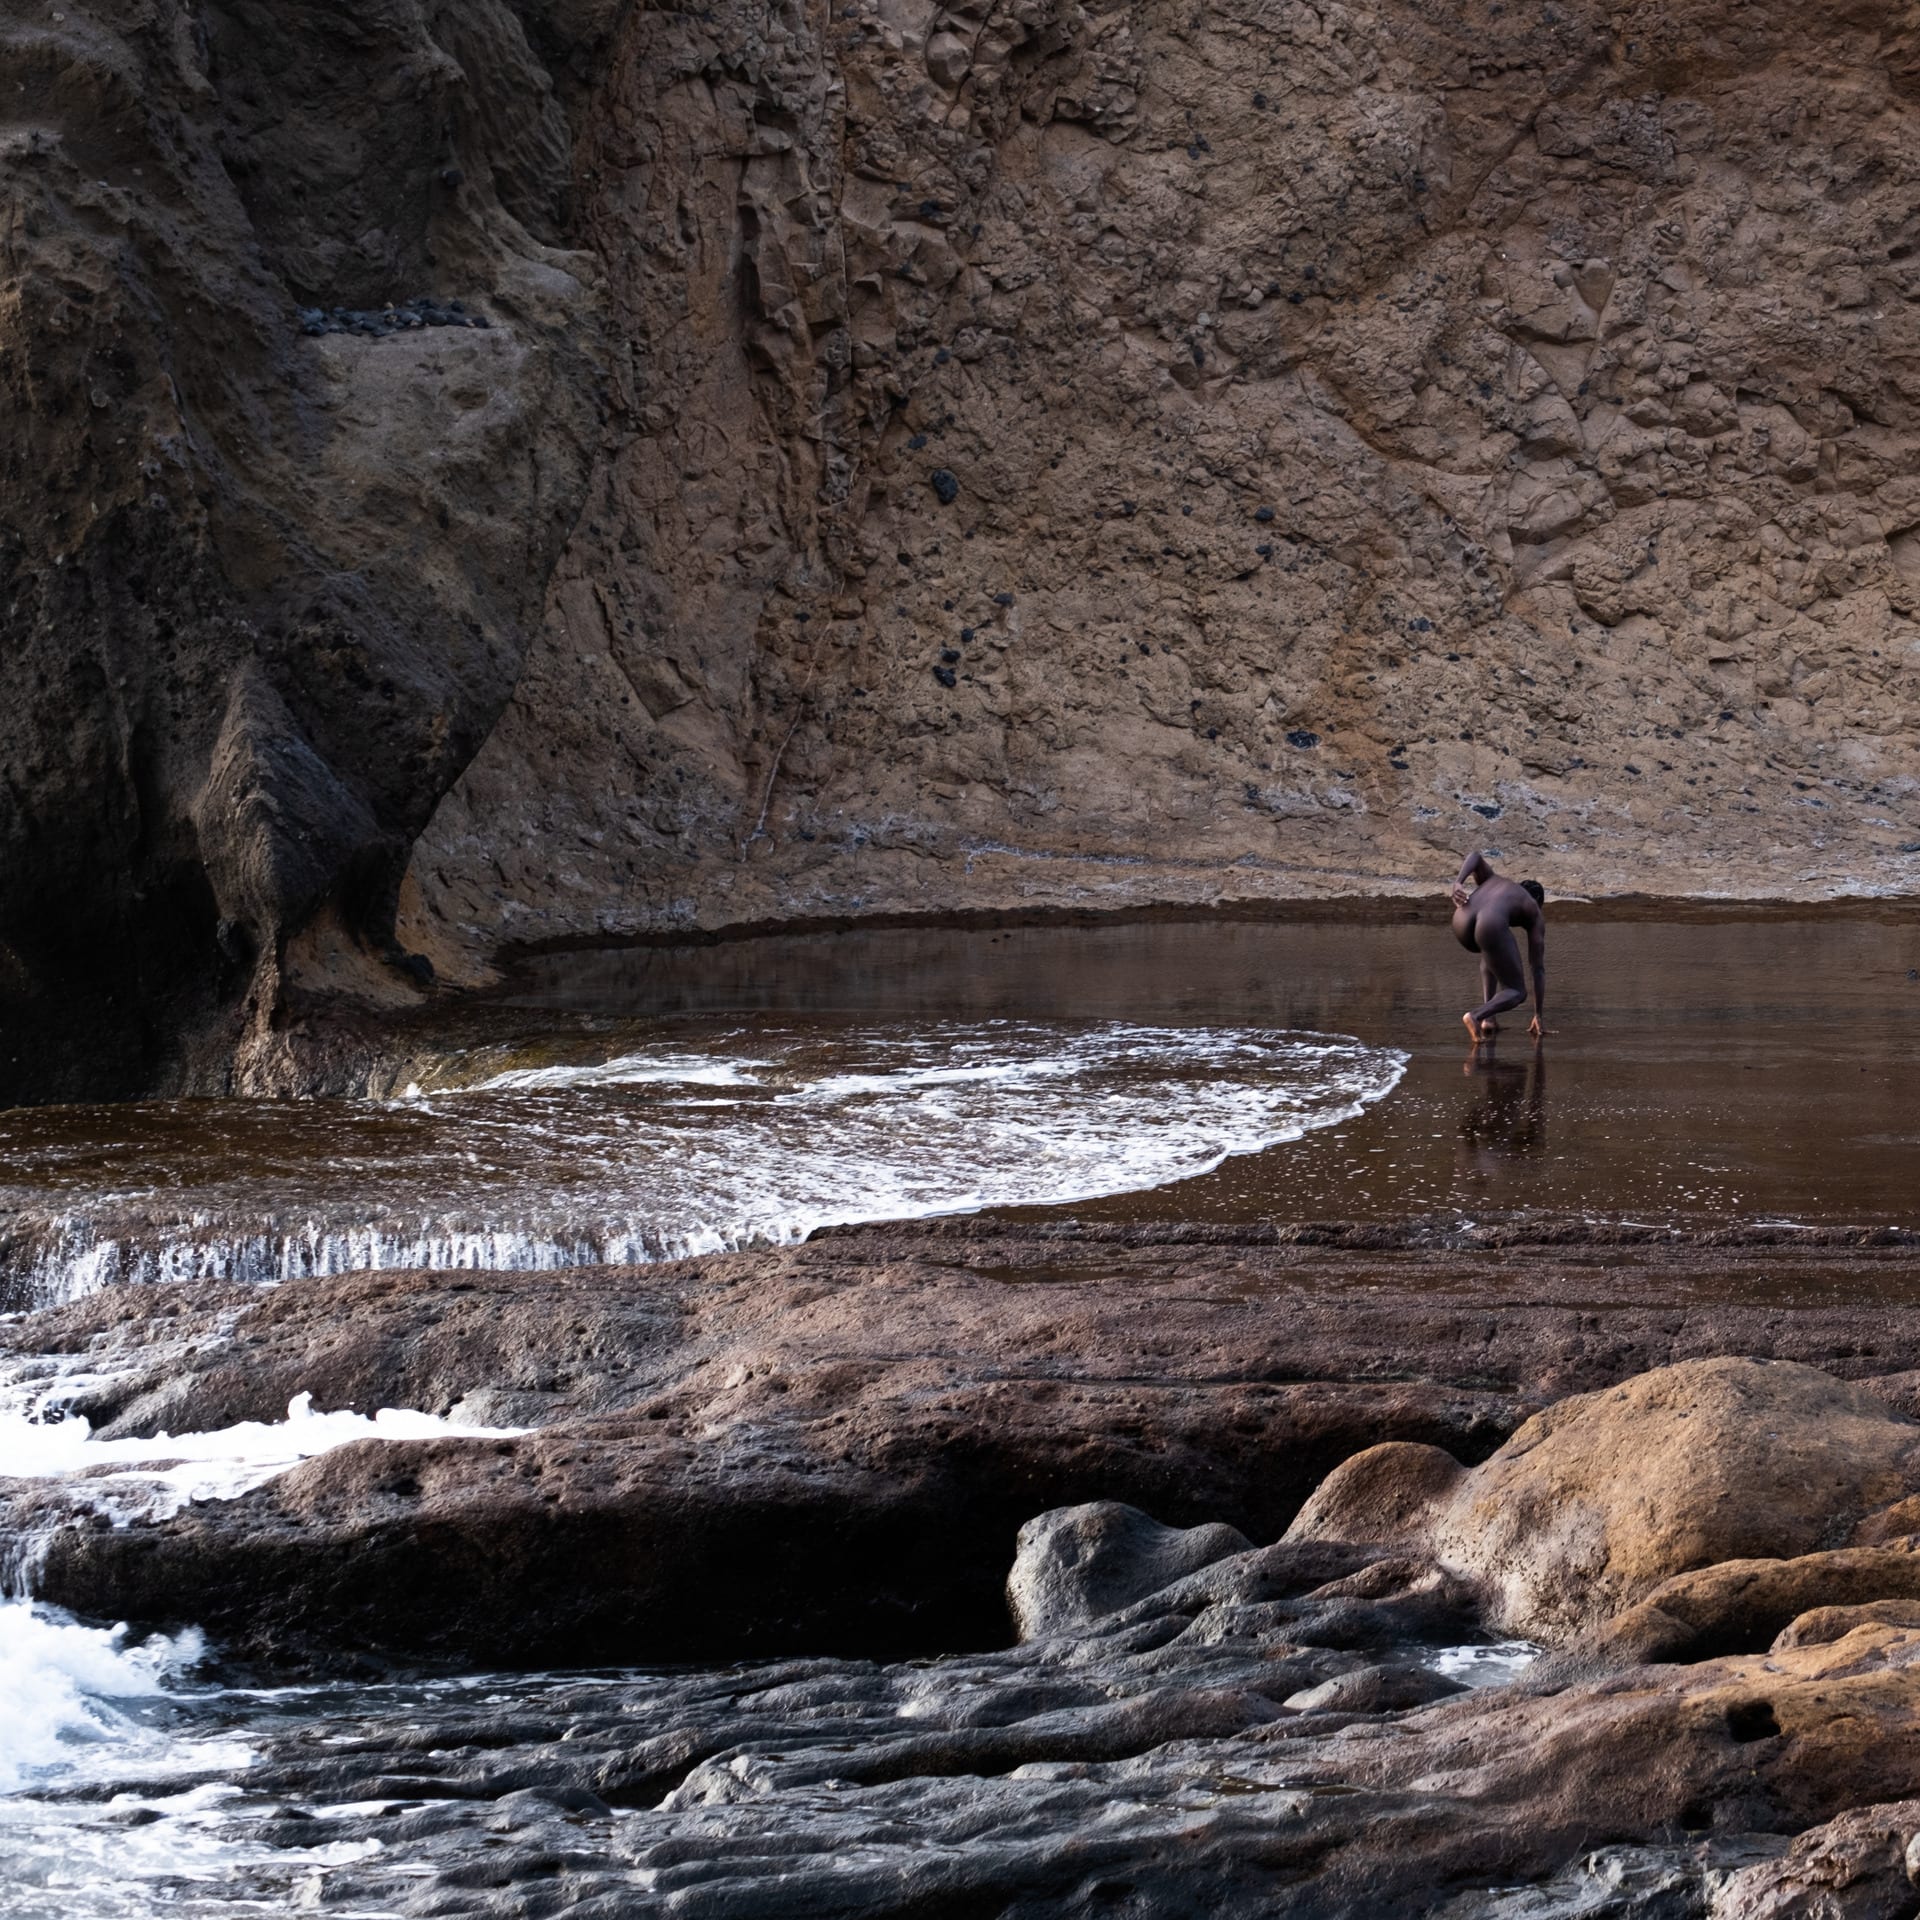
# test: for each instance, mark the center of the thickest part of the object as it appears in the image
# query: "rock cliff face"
(921, 458)
(300, 381)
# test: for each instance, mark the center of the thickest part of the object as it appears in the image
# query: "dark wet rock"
(1675, 1881)
(132, 1817)
(233, 693)
(1134, 1761)
(946, 489)
(946, 676)
(409, 316)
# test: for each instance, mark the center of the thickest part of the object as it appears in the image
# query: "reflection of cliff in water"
(1507, 1120)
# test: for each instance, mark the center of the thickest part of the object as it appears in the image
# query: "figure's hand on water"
(1536, 1029)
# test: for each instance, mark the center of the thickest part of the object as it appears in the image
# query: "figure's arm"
(1474, 867)
(1537, 960)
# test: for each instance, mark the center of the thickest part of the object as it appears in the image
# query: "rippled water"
(118, 1797)
(637, 1143)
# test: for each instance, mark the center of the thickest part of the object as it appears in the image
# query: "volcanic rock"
(1142, 1759)
(1852, 1868)
(835, 1447)
(1077, 1563)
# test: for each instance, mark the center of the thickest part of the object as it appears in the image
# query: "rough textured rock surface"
(923, 457)
(1853, 1868)
(1600, 1500)
(1117, 454)
(1249, 1739)
(267, 577)
(836, 1446)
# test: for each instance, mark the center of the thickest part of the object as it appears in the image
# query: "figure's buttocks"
(1463, 929)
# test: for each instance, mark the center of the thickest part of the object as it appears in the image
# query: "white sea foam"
(626, 1070)
(1489, 1663)
(749, 1137)
(82, 1711)
(154, 1478)
(66, 1685)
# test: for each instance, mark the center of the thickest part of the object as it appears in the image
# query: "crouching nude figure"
(1484, 919)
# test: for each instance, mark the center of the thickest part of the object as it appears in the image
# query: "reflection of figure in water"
(1510, 1121)
(1483, 923)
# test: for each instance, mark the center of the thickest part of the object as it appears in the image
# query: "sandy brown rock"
(1852, 1868)
(1596, 1503)
(1831, 1622)
(1739, 1605)
(1319, 438)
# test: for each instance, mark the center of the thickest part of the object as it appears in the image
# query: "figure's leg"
(1489, 986)
(1500, 952)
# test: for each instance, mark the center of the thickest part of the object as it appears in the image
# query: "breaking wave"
(725, 1139)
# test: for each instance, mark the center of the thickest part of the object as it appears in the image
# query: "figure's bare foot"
(1488, 1028)
(1473, 1030)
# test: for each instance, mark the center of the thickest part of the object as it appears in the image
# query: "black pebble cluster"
(377, 322)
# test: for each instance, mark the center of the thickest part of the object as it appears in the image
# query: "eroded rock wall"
(299, 376)
(1157, 452)
(1026, 454)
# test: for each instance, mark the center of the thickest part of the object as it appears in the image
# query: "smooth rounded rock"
(1596, 1502)
(1388, 1688)
(1078, 1563)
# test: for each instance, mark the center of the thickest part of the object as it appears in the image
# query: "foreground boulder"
(1597, 1502)
(1078, 1563)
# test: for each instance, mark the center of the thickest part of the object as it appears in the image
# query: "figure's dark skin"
(1484, 919)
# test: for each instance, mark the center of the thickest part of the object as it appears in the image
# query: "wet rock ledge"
(1268, 1509)
(831, 1449)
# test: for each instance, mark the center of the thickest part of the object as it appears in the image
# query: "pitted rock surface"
(1611, 1498)
(1323, 435)
(835, 1447)
(1227, 1745)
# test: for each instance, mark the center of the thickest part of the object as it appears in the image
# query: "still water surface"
(622, 1106)
(1693, 1071)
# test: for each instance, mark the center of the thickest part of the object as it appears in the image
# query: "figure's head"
(1536, 889)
